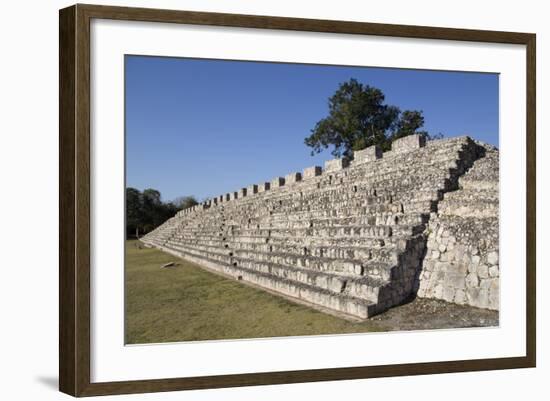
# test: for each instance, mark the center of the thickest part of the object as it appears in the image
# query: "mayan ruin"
(357, 237)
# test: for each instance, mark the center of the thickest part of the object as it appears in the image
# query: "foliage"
(184, 202)
(358, 118)
(145, 210)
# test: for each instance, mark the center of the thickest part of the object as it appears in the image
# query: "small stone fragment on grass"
(169, 264)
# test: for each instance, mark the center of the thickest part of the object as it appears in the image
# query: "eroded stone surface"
(469, 217)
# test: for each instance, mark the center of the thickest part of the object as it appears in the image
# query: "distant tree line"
(146, 211)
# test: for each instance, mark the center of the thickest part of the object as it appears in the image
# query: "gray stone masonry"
(266, 186)
(359, 237)
(461, 263)
(293, 178)
(408, 143)
(367, 155)
(277, 182)
(252, 189)
(335, 165)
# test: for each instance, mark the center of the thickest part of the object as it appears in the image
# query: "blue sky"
(208, 127)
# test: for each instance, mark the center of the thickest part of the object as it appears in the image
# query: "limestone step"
(392, 169)
(469, 208)
(268, 251)
(302, 241)
(380, 231)
(336, 211)
(289, 255)
(236, 242)
(365, 287)
(344, 303)
(475, 194)
(374, 267)
(475, 184)
(374, 270)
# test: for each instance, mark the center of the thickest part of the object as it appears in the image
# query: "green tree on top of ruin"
(358, 118)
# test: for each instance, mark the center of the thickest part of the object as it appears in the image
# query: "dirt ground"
(425, 314)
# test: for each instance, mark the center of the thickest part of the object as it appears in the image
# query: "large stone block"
(336, 165)
(408, 143)
(311, 172)
(367, 155)
(277, 182)
(293, 178)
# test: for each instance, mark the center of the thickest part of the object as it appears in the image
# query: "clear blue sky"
(207, 127)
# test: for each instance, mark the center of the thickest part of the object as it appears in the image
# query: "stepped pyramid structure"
(354, 238)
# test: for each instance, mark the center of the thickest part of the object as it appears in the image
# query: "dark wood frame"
(74, 203)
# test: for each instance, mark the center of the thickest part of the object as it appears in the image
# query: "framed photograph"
(250, 200)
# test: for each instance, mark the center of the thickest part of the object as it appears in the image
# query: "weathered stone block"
(448, 294)
(266, 186)
(252, 189)
(492, 258)
(293, 178)
(277, 182)
(408, 143)
(336, 165)
(367, 155)
(311, 172)
(483, 271)
(455, 280)
(472, 281)
(460, 297)
(438, 291)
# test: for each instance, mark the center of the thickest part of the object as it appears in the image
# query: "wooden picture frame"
(74, 204)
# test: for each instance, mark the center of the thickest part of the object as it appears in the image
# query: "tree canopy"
(359, 117)
(145, 210)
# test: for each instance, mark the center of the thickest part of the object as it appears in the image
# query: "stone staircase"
(349, 239)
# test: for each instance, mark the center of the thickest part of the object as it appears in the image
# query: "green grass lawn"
(185, 303)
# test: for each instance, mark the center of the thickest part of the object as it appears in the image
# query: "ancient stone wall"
(461, 263)
(350, 238)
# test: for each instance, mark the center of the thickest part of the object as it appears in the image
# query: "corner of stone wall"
(457, 270)
(461, 262)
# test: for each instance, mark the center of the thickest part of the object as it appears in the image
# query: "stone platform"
(355, 238)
